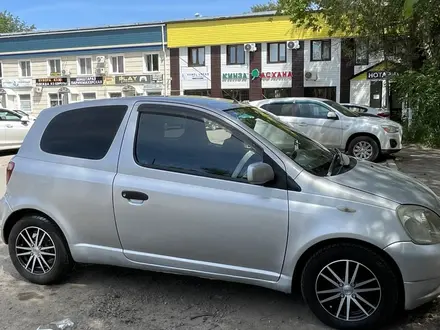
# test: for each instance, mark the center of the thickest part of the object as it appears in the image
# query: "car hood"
(381, 181)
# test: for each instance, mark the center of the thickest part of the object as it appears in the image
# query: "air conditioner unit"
(100, 71)
(38, 89)
(310, 75)
(100, 59)
(65, 72)
(293, 44)
(252, 47)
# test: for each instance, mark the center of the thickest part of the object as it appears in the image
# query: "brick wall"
(216, 81)
(175, 71)
(255, 92)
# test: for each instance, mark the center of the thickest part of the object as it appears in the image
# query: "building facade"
(256, 56)
(44, 69)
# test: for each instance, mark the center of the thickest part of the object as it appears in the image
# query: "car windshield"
(310, 155)
(341, 108)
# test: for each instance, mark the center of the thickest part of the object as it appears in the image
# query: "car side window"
(9, 116)
(85, 133)
(312, 110)
(289, 109)
(192, 143)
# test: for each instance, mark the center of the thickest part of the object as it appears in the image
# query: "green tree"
(270, 6)
(10, 23)
(406, 31)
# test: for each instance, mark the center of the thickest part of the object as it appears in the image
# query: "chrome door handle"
(9, 126)
(302, 124)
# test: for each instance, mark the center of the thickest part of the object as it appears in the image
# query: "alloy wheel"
(348, 290)
(35, 250)
(363, 150)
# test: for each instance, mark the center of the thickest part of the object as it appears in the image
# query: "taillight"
(383, 114)
(9, 170)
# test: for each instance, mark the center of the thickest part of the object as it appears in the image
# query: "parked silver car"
(13, 129)
(335, 126)
(145, 182)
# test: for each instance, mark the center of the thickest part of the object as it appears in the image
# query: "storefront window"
(236, 94)
(25, 102)
(198, 92)
(55, 99)
(115, 94)
(271, 93)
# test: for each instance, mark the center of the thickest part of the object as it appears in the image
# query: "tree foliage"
(406, 31)
(10, 23)
(270, 6)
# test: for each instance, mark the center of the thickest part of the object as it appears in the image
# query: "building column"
(175, 71)
(216, 79)
(255, 90)
(298, 71)
(346, 70)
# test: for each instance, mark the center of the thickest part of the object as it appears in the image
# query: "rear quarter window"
(84, 132)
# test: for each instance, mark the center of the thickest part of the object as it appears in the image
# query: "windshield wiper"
(337, 155)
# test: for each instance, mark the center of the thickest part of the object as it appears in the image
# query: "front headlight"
(421, 224)
(390, 129)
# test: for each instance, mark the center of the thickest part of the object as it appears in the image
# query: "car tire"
(328, 301)
(38, 238)
(366, 142)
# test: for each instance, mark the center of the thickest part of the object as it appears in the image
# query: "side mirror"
(24, 119)
(260, 173)
(331, 115)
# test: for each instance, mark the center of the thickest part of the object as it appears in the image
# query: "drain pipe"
(165, 68)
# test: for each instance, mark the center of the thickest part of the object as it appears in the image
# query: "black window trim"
(190, 59)
(278, 45)
(322, 41)
(228, 58)
(186, 110)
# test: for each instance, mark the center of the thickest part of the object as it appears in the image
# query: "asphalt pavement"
(111, 298)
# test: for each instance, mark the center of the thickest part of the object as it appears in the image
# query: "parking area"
(101, 297)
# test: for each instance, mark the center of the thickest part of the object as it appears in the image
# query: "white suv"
(335, 126)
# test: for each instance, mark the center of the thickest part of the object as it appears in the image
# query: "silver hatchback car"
(222, 190)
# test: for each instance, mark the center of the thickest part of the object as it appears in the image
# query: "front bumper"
(391, 143)
(420, 269)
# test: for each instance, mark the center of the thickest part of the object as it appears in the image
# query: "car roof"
(287, 99)
(214, 104)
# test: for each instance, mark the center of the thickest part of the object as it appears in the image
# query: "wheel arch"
(355, 135)
(307, 254)
(19, 214)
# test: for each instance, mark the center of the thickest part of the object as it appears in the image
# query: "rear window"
(83, 133)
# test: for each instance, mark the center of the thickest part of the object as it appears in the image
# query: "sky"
(61, 14)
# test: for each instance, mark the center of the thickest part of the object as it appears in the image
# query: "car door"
(181, 204)
(316, 125)
(15, 129)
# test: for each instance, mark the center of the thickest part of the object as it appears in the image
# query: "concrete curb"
(392, 164)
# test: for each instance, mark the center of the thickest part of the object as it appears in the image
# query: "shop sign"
(195, 76)
(235, 76)
(152, 86)
(122, 80)
(51, 81)
(378, 75)
(87, 81)
(17, 83)
(255, 73)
